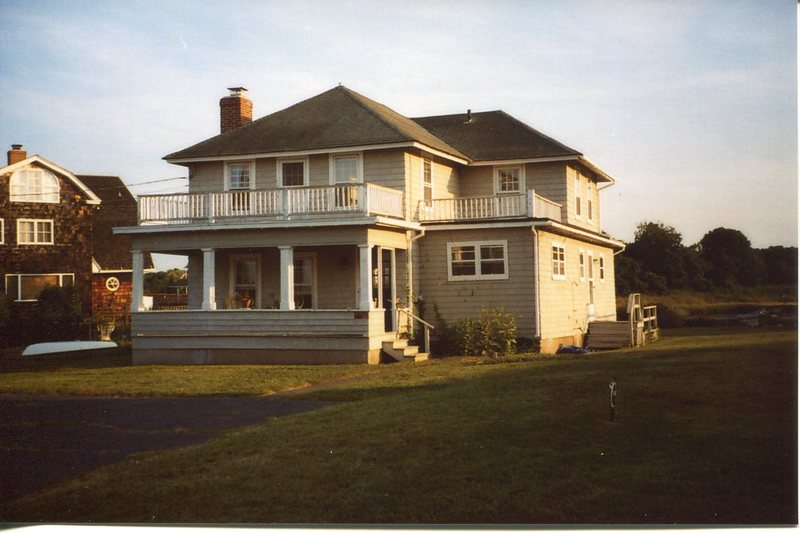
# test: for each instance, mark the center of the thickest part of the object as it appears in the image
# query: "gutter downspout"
(410, 267)
(536, 287)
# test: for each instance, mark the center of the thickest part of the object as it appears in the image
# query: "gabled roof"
(91, 197)
(118, 208)
(337, 118)
(494, 136)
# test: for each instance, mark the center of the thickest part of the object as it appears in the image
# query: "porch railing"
(279, 203)
(488, 207)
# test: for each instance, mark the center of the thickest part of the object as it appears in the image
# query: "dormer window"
(34, 185)
(509, 180)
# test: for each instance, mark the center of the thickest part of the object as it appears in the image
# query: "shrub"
(445, 339)
(60, 313)
(493, 334)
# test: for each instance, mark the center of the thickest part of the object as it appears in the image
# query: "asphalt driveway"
(44, 440)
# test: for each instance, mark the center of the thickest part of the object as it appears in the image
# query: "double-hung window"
(582, 264)
(559, 261)
(427, 182)
(346, 169)
(602, 268)
(2, 231)
(589, 196)
(577, 194)
(484, 260)
(509, 180)
(27, 287)
(34, 231)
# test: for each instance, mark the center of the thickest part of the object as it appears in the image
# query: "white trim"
(279, 162)
(36, 232)
(444, 155)
(297, 223)
(19, 276)
(332, 167)
(92, 197)
(252, 171)
(112, 283)
(577, 186)
(581, 264)
(587, 163)
(2, 231)
(590, 266)
(562, 260)
(476, 245)
(496, 181)
(601, 267)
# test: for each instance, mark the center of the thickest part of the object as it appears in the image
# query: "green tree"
(659, 251)
(731, 259)
(780, 265)
(160, 282)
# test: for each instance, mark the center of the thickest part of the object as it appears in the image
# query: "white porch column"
(365, 277)
(209, 281)
(137, 282)
(393, 262)
(287, 278)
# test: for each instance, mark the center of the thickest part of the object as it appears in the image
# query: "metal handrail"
(427, 327)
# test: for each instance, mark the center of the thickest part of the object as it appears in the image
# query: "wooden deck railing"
(279, 203)
(488, 207)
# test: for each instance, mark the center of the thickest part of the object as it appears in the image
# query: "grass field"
(705, 433)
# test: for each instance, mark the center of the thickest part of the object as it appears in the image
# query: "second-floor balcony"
(196, 208)
(489, 207)
(334, 201)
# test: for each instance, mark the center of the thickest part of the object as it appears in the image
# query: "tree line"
(657, 261)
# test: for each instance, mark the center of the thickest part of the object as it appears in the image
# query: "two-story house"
(56, 230)
(318, 232)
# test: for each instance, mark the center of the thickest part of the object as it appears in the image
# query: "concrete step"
(400, 350)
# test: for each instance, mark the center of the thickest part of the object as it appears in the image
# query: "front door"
(245, 282)
(305, 281)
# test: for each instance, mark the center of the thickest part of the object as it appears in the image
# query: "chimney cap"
(237, 91)
(16, 147)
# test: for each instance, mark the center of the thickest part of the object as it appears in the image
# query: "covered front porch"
(329, 297)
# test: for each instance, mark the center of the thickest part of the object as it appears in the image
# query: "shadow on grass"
(90, 359)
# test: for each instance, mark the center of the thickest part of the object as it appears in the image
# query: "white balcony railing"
(489, 207)
(278, 203)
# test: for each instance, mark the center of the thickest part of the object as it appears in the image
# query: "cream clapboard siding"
(460, 299)
(207, 177)
(549, 180)
(564, 302)
(444, 177)
(582, 221)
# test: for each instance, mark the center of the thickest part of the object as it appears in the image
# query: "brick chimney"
(16, 154)
(235, 110)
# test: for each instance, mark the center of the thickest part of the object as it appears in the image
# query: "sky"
(690, 106)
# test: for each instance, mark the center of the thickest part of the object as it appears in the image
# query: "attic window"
(34, 185)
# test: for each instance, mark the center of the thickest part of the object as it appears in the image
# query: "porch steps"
(608, 334)
(400, 350)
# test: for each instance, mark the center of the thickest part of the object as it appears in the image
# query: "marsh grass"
(705, 433)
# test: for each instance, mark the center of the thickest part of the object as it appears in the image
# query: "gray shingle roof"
(117, 208)
(338, 117)
(493, 135)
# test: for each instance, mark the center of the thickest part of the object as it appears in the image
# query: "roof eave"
(92, 198)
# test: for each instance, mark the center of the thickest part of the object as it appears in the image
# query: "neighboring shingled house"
(320, 232)
(56, 229)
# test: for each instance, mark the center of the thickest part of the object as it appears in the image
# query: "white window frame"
(560, 261)
(521, 180)
(41, 197)
(332, 158)
(581, 264)
(2, 231)
(578, 195)
(428, 185)
(252, 174)
(279, 171)
(477, 245)
(18, 297)
(589, 201)
(590, 265)
(36, 222)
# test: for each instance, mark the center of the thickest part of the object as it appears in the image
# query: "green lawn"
(705, 433)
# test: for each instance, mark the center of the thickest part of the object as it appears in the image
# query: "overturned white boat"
(43, 348)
